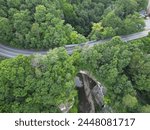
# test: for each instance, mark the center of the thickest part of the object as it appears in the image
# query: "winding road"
(13, 52)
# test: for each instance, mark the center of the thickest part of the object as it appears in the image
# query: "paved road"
(13, 52)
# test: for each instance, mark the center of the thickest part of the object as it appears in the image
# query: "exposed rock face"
(98, 95)
(91, 93)
(83, 106)
(88, 93)
(78, 82)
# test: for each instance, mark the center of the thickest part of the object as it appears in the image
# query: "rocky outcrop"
(98, 95)
(88, 93)
(91, 93)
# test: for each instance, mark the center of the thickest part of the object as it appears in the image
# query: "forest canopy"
(42, 83)
(43, 24)
(37, 83)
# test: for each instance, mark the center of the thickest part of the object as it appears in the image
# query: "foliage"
(146, 109)
(41, 83)
(81, 13)
(43, 24)
(2, 58)
(120, 19)
(37, 83)
(35, 24)
(133, 24)
(130, 102)
(123, 69)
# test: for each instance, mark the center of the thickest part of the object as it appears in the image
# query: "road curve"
(13, 52)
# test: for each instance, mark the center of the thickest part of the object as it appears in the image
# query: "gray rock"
(98, 95)
(65, 107)
(78, 82)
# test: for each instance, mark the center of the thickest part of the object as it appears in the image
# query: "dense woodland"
(41, 83)
(44, 24)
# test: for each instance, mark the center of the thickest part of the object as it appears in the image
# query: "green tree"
(39, 15)
(24, 17)
(96, 32)
(5, 29)
(146, 109)
(142, 4)
(130, 101)
(112, 20)
(125, 7)
(123, 69)
(133, 24)
(37, 83)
